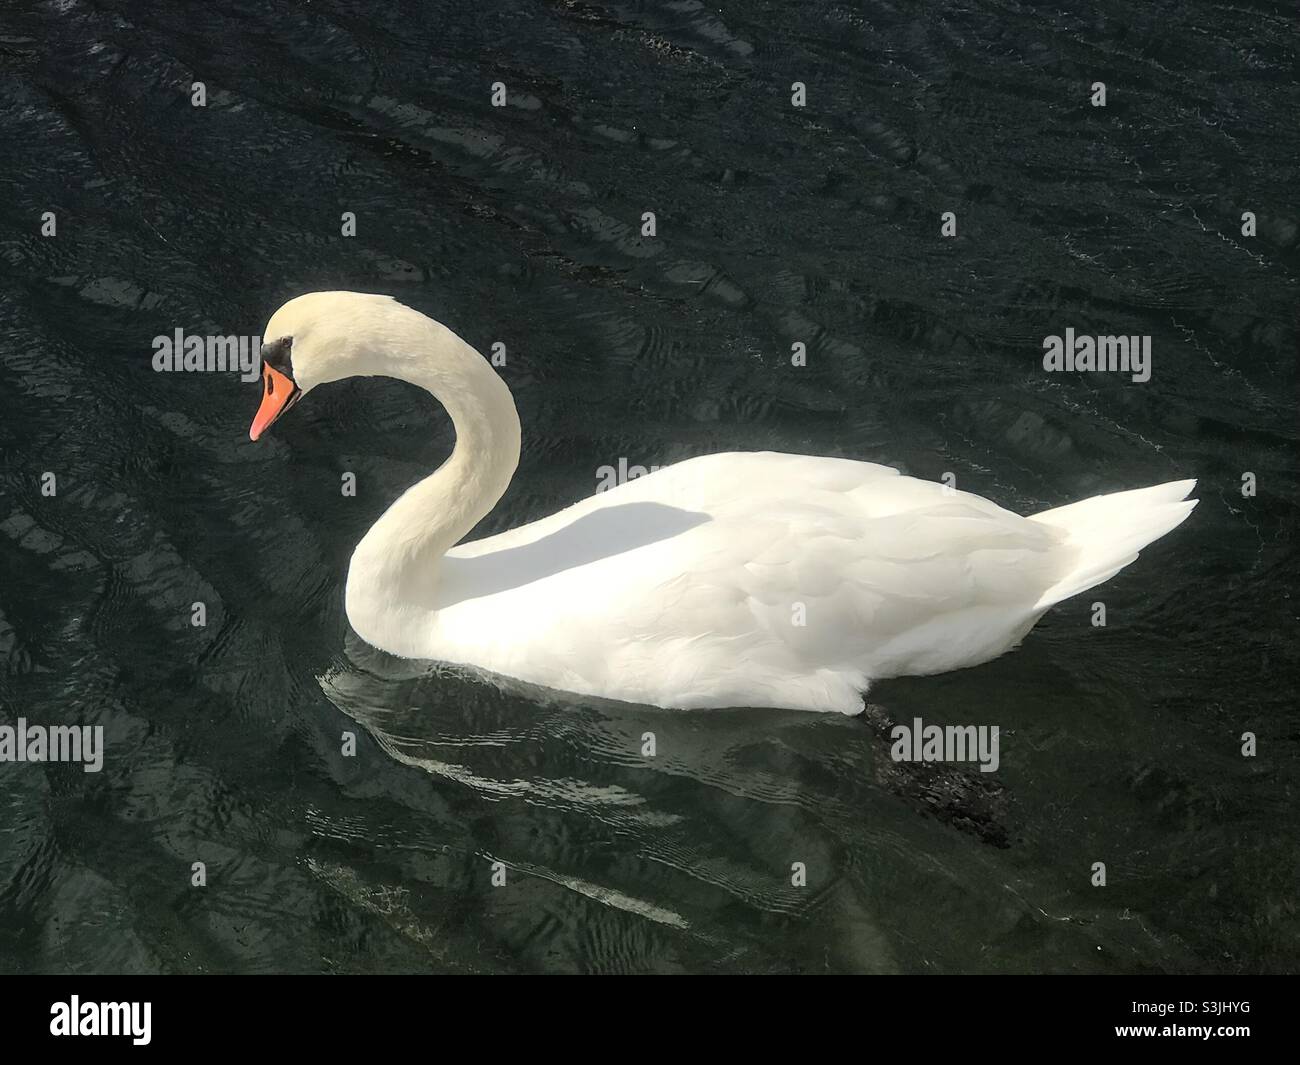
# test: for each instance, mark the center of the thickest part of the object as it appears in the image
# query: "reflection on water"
(521, 225)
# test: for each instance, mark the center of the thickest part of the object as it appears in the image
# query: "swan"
(742, 579)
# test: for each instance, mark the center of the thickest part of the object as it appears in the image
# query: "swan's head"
(322, 337)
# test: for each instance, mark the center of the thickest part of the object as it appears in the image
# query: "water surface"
(521, 225)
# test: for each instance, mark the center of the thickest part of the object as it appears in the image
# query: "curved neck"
(396, 562)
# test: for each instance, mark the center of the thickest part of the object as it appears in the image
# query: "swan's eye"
(278, 353)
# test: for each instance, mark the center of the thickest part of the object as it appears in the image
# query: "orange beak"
(278, 395)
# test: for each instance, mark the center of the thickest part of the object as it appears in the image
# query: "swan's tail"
(1110, 530)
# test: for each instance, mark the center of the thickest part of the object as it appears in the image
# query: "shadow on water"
(688, 857)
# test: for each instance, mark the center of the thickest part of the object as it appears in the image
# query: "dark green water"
(520, 225)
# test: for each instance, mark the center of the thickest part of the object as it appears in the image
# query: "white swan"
(739, 579)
